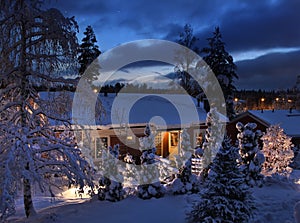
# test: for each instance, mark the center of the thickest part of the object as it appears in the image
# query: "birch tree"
(37, 46)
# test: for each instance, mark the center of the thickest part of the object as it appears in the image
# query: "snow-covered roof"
(127, 108)
(289, 121)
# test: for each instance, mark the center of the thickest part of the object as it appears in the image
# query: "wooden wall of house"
(124, 149)
(232, 130)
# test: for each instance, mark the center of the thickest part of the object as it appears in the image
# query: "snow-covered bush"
(149, 170)
(186, 150)
(110, 186)
(225, 196)
(252, 158)
(110, 190)
(277, 148)
(166, 171)
(184, 181)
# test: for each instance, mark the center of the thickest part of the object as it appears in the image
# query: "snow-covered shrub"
(166, 171)
(252, 158)
(110, 186)
(184, 181)
(149, 170)
(277, 150)
(149, 173)
(186, 150)
(110, 190)
(225, 196)
(212, 141)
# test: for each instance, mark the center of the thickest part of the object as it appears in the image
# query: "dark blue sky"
(263, 36)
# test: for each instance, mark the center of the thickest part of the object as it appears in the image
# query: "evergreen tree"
(34, 44)
(277, 148)
(149, 170)
(221, 63)
(88, 52)
(130, 172)
(185, 61)
(212, 141)
(184, 181)
(251, 157)
(110, 186)
(225, 196)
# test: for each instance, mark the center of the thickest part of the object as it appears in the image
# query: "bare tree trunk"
(28, 204)
(27, 198)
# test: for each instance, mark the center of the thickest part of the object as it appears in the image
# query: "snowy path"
(132, 209)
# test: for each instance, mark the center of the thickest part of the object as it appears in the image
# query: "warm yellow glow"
(262, 99)
(236, 99)
(277, 99)
(289, 100)
(129, 138)
(95, 90)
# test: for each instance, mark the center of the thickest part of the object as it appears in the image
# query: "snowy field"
(275, 204)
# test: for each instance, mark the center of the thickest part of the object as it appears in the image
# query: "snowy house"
(287, 119)
(167, 115)
(124, 117)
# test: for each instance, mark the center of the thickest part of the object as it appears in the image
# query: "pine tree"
(130, 172)
(34, 44)
(185, 181)
(222, 65)
(252, 158)
(185, 61)
(149, 174)
(88, 52)
(110, 186)
(277, 148)
(225, 196)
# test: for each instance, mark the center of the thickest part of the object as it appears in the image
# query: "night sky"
(262, 36)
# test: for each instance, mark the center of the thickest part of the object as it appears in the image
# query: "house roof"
(161, 109)
(290, 122)
(164, 110)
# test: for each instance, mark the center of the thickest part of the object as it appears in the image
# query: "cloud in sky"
(262, 72)
(252, 30)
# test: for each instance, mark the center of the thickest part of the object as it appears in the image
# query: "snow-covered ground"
(275, 204)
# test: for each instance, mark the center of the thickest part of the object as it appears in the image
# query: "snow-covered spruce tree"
(251, 156)
(277, 148)
(222, 65)
(149, 171)
(212, 141)
(130, 172)
(185, 181)
(225, 196)
(110, 186)
(34, 44)
(88, 52)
